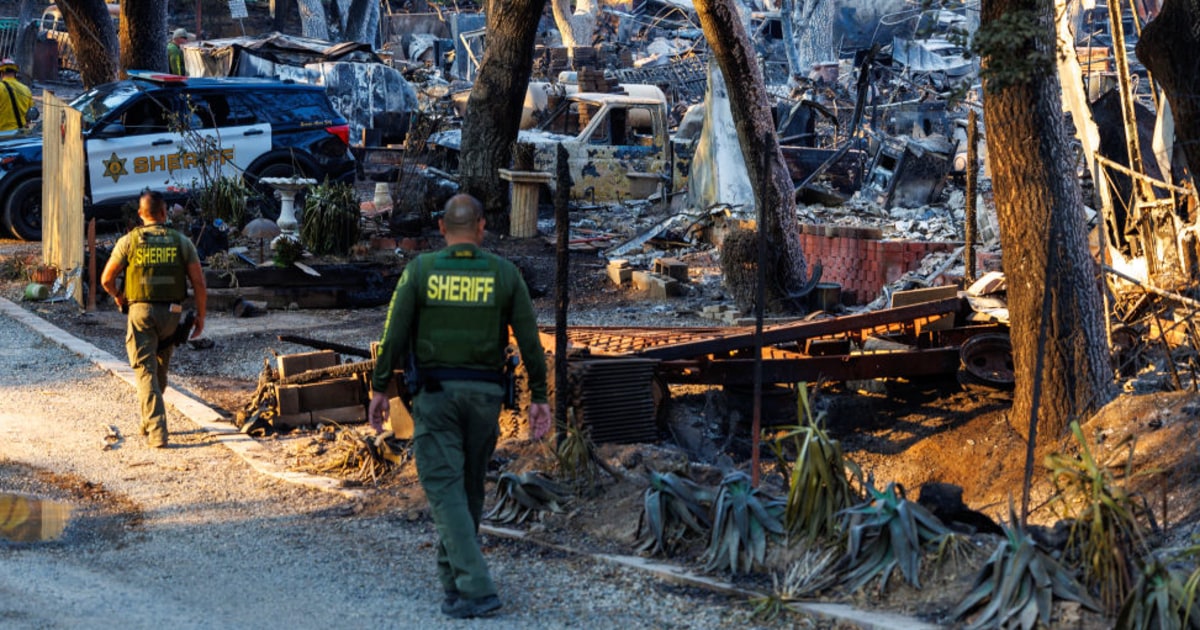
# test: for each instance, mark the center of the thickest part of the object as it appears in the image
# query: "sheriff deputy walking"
(158, 263)
(450, 318)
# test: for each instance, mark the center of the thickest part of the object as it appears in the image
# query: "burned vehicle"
(159, 131)
(618, 144)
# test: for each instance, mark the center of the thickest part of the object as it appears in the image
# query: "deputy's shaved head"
(462, 214)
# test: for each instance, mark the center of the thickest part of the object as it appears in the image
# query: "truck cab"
(618, 145)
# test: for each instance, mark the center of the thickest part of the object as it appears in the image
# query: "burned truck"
(618, 145)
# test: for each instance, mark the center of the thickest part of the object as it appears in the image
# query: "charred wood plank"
(940, 361)
(337, 371)
(801, 331)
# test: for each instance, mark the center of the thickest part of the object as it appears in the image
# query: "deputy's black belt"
(462, 374)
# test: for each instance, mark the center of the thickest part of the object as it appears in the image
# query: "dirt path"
(192, 536)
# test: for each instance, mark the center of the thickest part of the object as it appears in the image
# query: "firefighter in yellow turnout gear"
(158, 262)
(15, 98)
(450, 318)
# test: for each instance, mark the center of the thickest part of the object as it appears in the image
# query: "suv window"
(231, 110)
(147, 115)
(290, 107)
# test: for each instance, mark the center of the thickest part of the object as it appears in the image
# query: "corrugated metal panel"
(615, 399)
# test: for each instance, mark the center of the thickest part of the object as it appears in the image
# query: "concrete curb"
(257, 457)
(203, 416)
(870, 620)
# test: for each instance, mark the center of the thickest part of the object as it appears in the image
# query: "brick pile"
(860, 260)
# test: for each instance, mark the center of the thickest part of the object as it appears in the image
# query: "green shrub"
(331, 216)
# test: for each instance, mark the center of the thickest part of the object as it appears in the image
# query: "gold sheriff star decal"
(114, 167)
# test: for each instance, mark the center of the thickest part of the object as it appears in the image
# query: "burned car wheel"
(23, 210)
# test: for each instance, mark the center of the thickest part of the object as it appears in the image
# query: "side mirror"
(111, 130)
(33, 114)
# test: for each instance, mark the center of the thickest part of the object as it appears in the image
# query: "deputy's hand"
(540, 420)
(198, 327)
(378, 411)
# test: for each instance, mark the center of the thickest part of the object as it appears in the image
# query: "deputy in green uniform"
(158, 263)
(451, 312)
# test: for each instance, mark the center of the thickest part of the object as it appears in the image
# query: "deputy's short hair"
(462, 211)
(158, 204)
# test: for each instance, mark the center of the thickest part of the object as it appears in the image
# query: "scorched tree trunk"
(1042, 226)
(93, 38)
(144, 35)
(774, 194)
(494, 108)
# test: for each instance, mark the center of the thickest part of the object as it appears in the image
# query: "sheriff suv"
(167, 132)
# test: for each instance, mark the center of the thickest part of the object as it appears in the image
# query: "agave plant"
(673, 508)
(818, 488)
(574, 455)
(1017, 586)
(1160, 600)
(1107, 534)
(744, 516)
(888, 532)
(519, 497)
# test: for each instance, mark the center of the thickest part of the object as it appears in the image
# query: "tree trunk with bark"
(143, 35)
(1053, 296)
(577, 27)
(94, 40)
(494, 108)
(313, 22)
(1167, 47)
(362, 21)
(774, 194)
(281, 11)
(811, 24)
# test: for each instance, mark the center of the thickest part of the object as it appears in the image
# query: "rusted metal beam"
(833, 368)
(804, 330)
(325, 345)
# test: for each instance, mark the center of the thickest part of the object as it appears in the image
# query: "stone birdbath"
(287, 187)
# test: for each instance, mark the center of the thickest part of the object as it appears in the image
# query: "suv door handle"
(162, 141)
(253, 132)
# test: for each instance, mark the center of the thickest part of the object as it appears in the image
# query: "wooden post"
(92, 286)
(524, 200)
(972, 191)
(562, 277)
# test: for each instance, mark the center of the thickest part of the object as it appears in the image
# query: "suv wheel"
(268, 200)
(23, 210)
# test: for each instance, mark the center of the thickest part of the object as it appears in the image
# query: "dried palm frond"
(818, 488)
(744, 517)
(1107, 533)
(885, 533)
(1017, 586)
(807, 575)
(520, 497)
(673, 508)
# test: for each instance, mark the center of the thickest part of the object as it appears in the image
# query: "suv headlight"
(9, 160)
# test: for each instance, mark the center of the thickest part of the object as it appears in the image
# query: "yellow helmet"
(8, 65)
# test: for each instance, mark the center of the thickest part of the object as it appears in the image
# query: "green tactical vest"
(461, 319)
(156, 271)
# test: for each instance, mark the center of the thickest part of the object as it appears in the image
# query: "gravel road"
(194, 536)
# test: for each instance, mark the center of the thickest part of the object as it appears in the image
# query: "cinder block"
(293, 364)
(288, 399)
(672, 267)
(293, 420)
(641, 280)
(341, 415)
(331, 394)
(618, 275)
